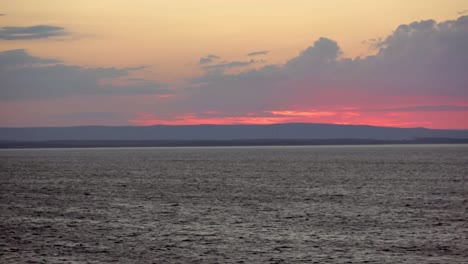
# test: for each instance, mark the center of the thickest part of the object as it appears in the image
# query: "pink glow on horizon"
(312, 113)
(143, 110)
(437, 120)
(145, 119)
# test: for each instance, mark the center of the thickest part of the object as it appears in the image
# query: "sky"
(148, 62)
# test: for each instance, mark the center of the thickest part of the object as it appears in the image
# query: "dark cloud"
(23, 76)
(90, 117)
(323, 52)
(263, 52)
(94, 115)
(33, 32)
(19, 57)
(422, 58)
(431, 108)
(463, 12)
(208, 59)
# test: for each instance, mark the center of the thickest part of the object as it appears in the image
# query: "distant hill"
(292, 131)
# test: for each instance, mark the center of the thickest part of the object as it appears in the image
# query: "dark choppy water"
(350, 204)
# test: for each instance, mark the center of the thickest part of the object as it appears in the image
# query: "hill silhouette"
(291, 131)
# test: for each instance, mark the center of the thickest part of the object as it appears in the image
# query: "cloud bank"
(419, 59)
(24, 76)
(418, 77)
(208, 59)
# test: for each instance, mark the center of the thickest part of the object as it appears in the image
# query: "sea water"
(317, 204)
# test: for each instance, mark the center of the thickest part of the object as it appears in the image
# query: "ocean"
(311, 204)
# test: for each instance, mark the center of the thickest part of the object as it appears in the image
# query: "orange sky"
(171, 35)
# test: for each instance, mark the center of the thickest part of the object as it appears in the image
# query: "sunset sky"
(146, 62)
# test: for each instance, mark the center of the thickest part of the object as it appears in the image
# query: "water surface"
(322, 204)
